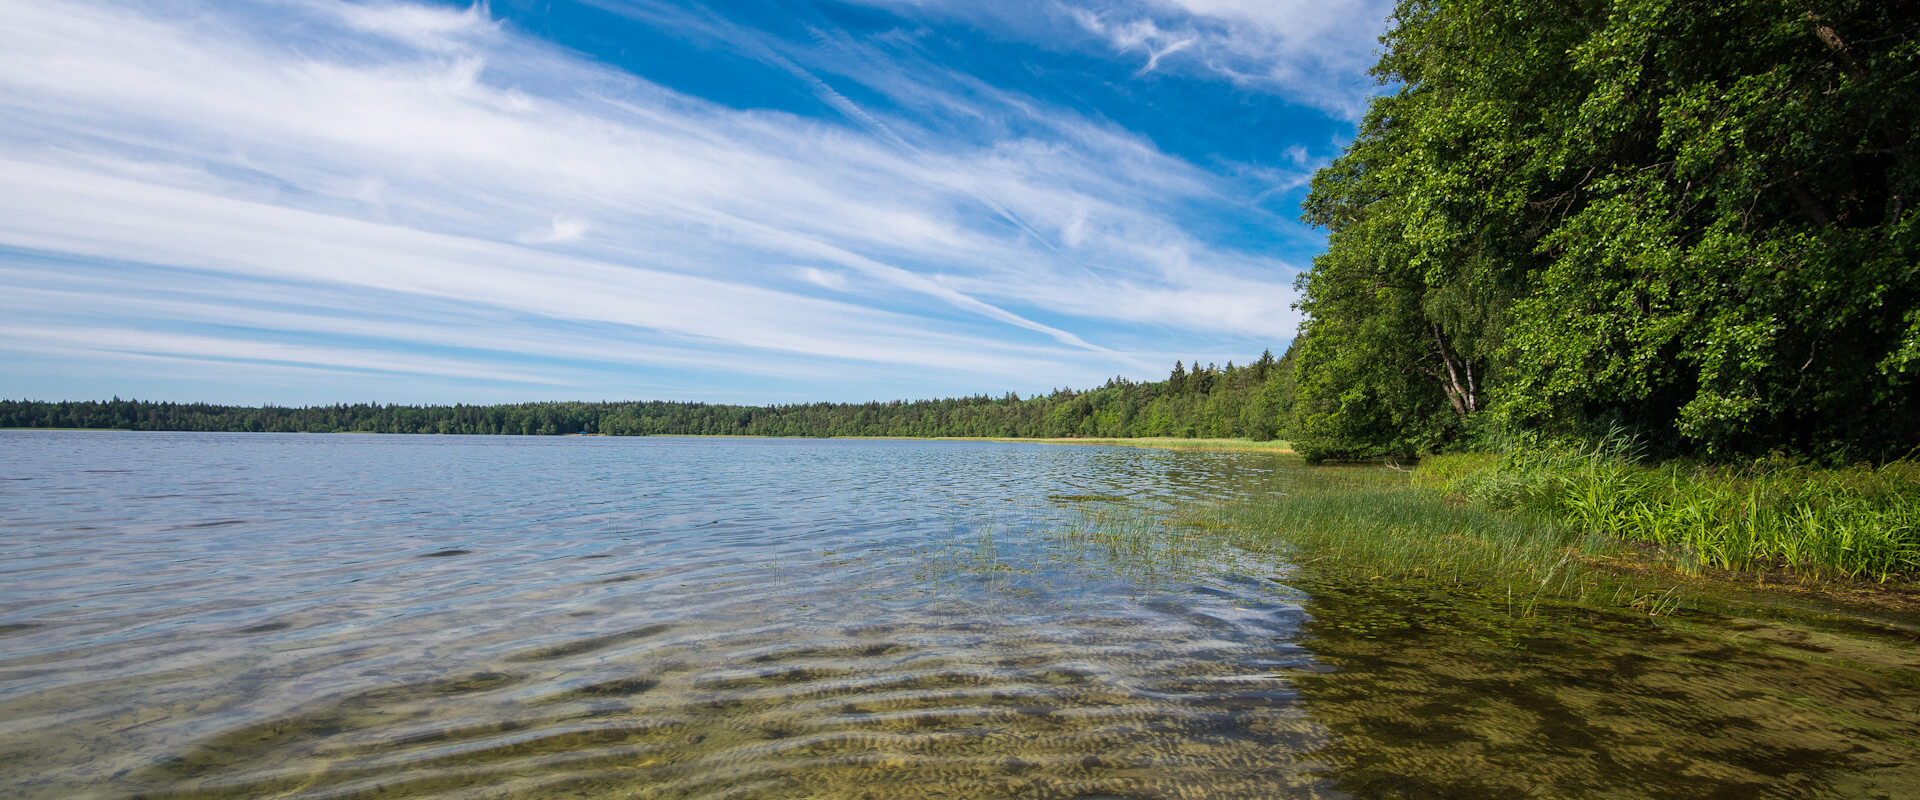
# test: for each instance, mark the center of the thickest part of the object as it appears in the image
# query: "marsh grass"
(1382, 530)
(1860, 523)
(1334, 525)
(973, 547)
(1143, 544)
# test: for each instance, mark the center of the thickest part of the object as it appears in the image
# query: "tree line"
(1251, 401)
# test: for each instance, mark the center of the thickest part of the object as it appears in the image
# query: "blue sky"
(311, 201)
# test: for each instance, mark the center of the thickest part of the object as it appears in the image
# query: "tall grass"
(1859, 522)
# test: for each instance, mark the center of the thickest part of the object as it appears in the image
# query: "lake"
(248, 615)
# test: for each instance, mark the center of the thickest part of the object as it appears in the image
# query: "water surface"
(232, 615)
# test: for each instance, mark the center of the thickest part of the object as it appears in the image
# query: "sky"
(312, 201)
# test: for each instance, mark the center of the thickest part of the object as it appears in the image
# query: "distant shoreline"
(1154, 442)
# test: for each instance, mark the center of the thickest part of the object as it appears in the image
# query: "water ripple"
(335, 616)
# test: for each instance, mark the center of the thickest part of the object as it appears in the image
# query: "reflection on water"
(208, 615)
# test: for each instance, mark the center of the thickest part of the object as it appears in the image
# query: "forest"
(1248, 401)
(1690, 224)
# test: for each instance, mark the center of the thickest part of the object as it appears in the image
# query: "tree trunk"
(1463, 394)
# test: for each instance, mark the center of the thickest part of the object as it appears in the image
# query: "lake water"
(234, 615)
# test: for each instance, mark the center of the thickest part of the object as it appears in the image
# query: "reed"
(1774, 514)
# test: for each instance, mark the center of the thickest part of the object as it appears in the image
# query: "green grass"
(1858, 523)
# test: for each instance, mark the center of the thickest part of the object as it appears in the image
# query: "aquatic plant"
(1860, 522)
(1377, 528)
(1346, 525)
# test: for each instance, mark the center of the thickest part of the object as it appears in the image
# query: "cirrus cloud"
(398, 156)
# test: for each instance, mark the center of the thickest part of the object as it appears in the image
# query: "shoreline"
(1157, 442)
(1154, 442)
(1630, 559)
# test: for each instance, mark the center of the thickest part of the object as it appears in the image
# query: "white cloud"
(146, 342)
(563, 229)
(307, 313)
(1313, 51)
(421, 26)
(204, 142)
(65, 211)
(836, 281)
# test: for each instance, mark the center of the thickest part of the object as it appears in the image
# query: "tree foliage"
(1693, 220)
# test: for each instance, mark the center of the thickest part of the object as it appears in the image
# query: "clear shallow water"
(213, 615)
(239, 615)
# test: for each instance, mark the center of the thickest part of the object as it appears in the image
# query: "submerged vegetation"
(1370, 524)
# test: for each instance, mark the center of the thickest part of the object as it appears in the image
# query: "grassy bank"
(1859, 523)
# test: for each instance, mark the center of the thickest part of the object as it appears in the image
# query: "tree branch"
(1832, 40)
